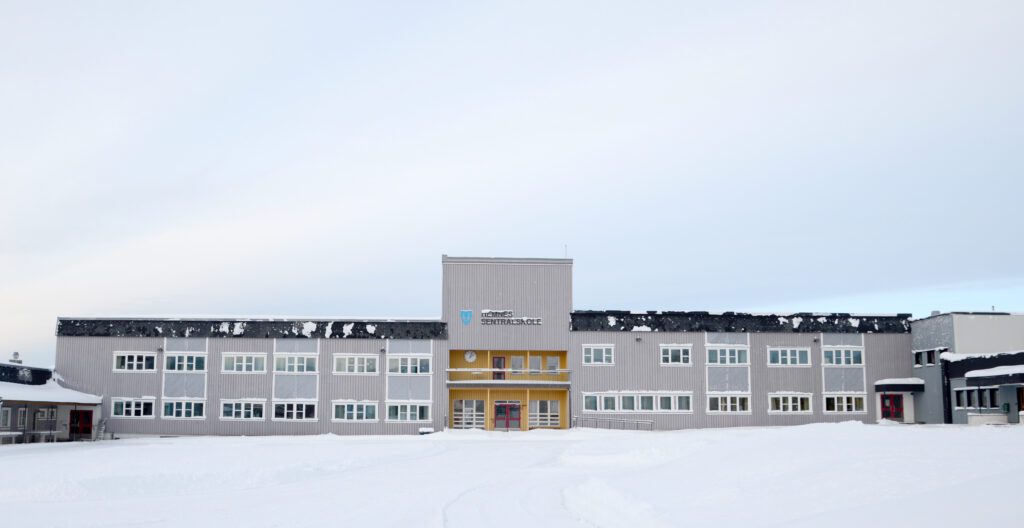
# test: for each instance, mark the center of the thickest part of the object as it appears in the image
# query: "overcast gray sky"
(317, 158)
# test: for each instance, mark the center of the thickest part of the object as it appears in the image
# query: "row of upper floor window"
(250, 410)
(682, 355)
(239, 363)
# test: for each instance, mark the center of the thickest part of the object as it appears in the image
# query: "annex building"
(509, 352)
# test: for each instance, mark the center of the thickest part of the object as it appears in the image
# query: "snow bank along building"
(508, 353)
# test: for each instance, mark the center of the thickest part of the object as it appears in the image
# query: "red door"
(498, 362)
(80, 424)
(892, 407)
(507, 416)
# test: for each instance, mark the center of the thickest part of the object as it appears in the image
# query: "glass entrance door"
(892, 406)
(507, 415)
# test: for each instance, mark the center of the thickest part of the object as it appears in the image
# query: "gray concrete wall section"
(988, 333)
(531, 288)
(86, 363)
(637, 368)
(930, 334)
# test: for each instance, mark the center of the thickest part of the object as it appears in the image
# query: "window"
(23, 417)
(244, 363)
(184, 409)
(844, 356)
(545, 413)
(408, 412)
(598, 355)
(355, 412)
(535, 363)
(468, 414)
(241, 410)
(728, 404)
(553, 362)
(844, 404)
(660, 402)
(355, 365)
(980, 398)
(789, 403)
(931, 357)
(46, 414)
(675, 355)
(184, 362)
(5, 418)
(517, 363)
(124, 362)
(132, 408)
(295, 411)
(290, 363)
(727, 356)
(918, 359)
(409, 365)
(785, 357)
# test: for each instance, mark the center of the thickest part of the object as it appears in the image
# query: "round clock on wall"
(470, 356)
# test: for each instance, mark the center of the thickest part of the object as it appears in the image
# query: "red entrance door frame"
(507, 416)
(80, 424)
(892, 406)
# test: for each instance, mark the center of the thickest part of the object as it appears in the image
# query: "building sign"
(506, 317)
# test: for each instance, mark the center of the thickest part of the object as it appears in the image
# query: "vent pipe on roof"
(936, 312)
(16, 358)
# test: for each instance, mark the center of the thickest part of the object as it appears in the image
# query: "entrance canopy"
(900, 385)
(50, 392)
(1005, 375)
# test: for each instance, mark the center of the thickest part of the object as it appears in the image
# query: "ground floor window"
(131, 408)
(844, 404)
(468, 414)
(728, 404)
(545, 413)
(294, 411)
(408, 412)
(976, 398)
(22, 417)
(184, 409)
(638, 402)
(355, 411)
(46, 414)
(5, 418)
(241, 410)
(789, 403)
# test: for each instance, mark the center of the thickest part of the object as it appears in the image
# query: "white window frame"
(975, 398)
(844, 396)
(410, 360)
(847, 353)
(246, 357)
(292, 359)
(789, 352)
(410, 403)
(138, 356)
(22, 418)
(241, 410)
(46, 414)
(286, 403)
(789, 398)
(185, 404)
(543, 419)
(638, 396)
(686, 355)
(356, 404)
(918, 358)
(469, 419)
(183, 357)
(134, 402)
(728, 349)
(5, 418)
(728, 396)
(607, 353)
(357, 360)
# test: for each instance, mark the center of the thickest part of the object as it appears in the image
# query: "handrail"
(580, 421)
(522, 370)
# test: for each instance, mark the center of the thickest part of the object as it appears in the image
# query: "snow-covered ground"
(815, 476)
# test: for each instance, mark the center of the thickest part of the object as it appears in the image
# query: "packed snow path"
(819, 475)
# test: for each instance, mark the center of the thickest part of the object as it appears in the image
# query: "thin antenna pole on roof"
(567, 256)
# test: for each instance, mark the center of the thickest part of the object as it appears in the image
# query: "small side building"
(34, 407)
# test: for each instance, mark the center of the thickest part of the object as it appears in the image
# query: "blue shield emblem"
(467, 316)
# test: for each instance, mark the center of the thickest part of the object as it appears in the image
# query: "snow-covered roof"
(996, 371)
(951, 356)
(900, 381)
(49, 392)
